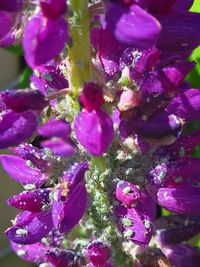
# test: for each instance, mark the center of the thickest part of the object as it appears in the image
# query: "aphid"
(22, 232)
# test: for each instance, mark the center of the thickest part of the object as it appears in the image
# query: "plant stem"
(79, 54)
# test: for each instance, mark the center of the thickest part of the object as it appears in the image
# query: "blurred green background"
(10, 67)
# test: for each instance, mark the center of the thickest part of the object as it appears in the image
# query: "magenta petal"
(177, 72)
(22, 100)
(98, 253)
(127, 193)
(16, 127)
(75, 174)
(182, 27)
(162, 128)
(31, 228)
(67, 214)
(182, 255)
(157, 6)
(19, 170)
(185, 170)
(184, 145)
(6, 22)
(53, 9)
(36, 155)
(33, 253)
(55, 128)
(136, 223)
(92, 97)
(60, 147)
(11, 5)
(186, 105)
(132, 224)
(63, 258)
(49, 79)
(183, 199)
(134, 26)
(172, 174)
(175, 229)
(94, 131)
(183, 4)
(35, 201)
(166, 80)
(43, 39)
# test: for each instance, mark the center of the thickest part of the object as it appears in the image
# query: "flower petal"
(34, 201)
(55, 128)
(16, 127)
(35, 253)
(31, 228)
(94, 131)
(67, 214)
(19, 170)
(23, 100)
(183, 199)
(43, 39)
(134, 26)
(186, 105)
(60, 147)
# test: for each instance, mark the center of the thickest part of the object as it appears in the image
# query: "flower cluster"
(99, 140)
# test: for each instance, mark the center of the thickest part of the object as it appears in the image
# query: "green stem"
(79, 54)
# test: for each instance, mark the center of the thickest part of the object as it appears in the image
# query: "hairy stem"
(79, 54)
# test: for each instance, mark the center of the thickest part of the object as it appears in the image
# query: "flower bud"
(53, 9)
(129, 99)
(127, 193)
(98, 253)
(64, 258)
(92, 97)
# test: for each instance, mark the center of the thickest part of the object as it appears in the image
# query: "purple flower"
(37, 156)
(136, 222)
(53, 9)
(11, 5)
(22, 171)
(94, 131)
(174, 27)
(23, 100)
(70, 198)
(186, 105)
(98, 254)
(35, 253)
(133, 26)
(43, 39)
(7, 21)
(55, 128)
(64, 258)
(61, 207)
(16, 127)
(173, 173)
(178, 199)
(69, 205)
(30, 227)
(58, 140)
(49, 79)
(174, 229)
(34, 200)
(183, 146)
(92, 97)
(182, 255)
(127, 193)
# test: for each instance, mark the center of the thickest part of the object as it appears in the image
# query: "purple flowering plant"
(99, 138)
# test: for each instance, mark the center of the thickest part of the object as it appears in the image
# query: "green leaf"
(194, 76)
(196, 6)
(17, 49)
(24, 79)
